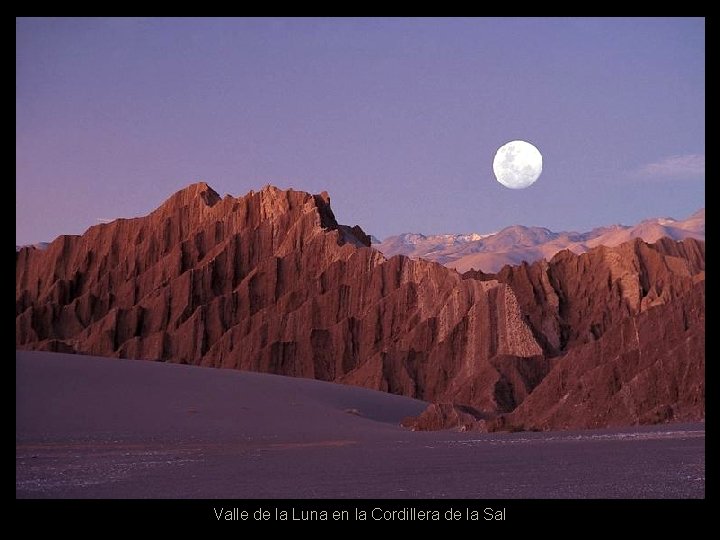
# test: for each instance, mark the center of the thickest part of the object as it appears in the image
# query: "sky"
(397, 119)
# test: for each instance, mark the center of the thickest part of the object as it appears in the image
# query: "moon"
(517, 164)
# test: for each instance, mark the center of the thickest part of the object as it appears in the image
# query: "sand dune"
(106, 428)
(89, 397)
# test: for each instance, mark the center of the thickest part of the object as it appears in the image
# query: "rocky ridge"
(271, 282)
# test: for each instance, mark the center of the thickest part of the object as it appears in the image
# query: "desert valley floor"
(107, 428)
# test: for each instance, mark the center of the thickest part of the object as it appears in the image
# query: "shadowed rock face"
(625, 330)
(644, 369)
(271, 282)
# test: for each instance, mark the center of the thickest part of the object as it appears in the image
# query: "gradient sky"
(398, 119)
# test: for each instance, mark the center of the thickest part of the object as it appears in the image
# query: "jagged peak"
(197, 192)
(197, 189)
(273, 192)
(271, 188)
(273, 201)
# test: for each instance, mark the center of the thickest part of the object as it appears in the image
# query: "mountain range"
(271, 282)
(517, 244)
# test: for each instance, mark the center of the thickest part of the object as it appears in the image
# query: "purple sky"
(398, 120)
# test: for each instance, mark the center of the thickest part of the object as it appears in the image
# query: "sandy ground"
(105, 428)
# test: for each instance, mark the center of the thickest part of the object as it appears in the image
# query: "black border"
(593, 514)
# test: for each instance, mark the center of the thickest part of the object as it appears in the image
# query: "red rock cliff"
(271, 282)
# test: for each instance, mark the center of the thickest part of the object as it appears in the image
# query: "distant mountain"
(517, 244)
(439, 247)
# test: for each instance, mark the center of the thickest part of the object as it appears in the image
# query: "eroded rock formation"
(271, 282)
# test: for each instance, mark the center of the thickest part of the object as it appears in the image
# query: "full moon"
(517, 164)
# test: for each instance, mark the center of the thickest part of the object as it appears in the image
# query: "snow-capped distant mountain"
(515, 244)
(420, 245)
